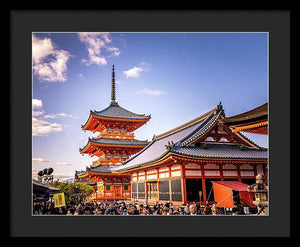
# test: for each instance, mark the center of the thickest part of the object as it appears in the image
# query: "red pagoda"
(114, 144)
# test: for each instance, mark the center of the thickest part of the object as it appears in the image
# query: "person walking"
(186, 209)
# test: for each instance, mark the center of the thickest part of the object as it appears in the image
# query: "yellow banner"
(59, 200)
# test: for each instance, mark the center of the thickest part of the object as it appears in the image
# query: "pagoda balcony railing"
(116, 135)
(107, 161)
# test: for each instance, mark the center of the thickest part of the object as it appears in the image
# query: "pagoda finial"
(113, 87)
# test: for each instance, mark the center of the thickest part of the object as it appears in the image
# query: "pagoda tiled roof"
(83, 180)
(115, 141)
(116, 111)
(100, 169)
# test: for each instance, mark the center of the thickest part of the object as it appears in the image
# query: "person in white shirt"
(193, 209)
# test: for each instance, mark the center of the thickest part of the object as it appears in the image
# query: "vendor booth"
(230, 194)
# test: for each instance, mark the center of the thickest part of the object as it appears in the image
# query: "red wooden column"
(137, 183)
(239, 172)
(146, 187)
(221, 172)
(121, 192)
(157, 182)
(184, 197)
(114, 192)
(265, 174)
(203, 184)
(170, 193)
(255, 169)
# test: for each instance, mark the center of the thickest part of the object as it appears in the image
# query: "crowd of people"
(122, 208)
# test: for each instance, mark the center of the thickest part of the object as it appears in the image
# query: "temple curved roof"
(222, 151)
(179, 141)
(116, 111)
(115, 141)
(158, 147)
(255, 115)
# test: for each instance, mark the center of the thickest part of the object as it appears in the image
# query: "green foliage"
(73, 191)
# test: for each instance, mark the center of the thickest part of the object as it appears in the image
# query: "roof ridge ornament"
(219, 106)
(203, 145)
(170, 145)
(242, 147)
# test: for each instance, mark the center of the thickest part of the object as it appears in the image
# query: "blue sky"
(175, 77)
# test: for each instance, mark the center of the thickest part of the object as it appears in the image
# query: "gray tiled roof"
(156, 149)
(256, 114)
(118, 141)
(222, 151)
(100, 169)
(44, 186)
(177, 142)
(116, 111)
(209, 122)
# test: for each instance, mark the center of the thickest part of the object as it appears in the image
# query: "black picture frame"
(24, 22)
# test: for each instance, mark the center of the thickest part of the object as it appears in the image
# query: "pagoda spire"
(113, 87)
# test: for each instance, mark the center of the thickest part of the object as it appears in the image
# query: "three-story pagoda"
(114, 144)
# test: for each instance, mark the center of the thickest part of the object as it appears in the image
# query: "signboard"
(59, 200)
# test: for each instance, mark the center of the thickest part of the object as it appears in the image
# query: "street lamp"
(260, 190)
(45, 175)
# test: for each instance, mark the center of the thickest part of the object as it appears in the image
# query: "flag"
(59, 200)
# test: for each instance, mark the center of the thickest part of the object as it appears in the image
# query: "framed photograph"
(150, 127)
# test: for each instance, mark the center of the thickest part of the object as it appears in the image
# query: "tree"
(73, 191)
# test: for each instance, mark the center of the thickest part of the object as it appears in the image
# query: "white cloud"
(36, 103)
(63, 164)
(97, 43)
(63, 114)
(63, 176)
(136, 70)
(44, 128)
(116, 52)
(49, 63)
(40, 160)
(41, 48)
(147, 91)
(41, 127)
(37, 113)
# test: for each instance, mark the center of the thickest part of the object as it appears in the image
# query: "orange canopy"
(223, 192)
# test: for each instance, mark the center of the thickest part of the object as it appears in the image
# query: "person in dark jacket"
(111, 210)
